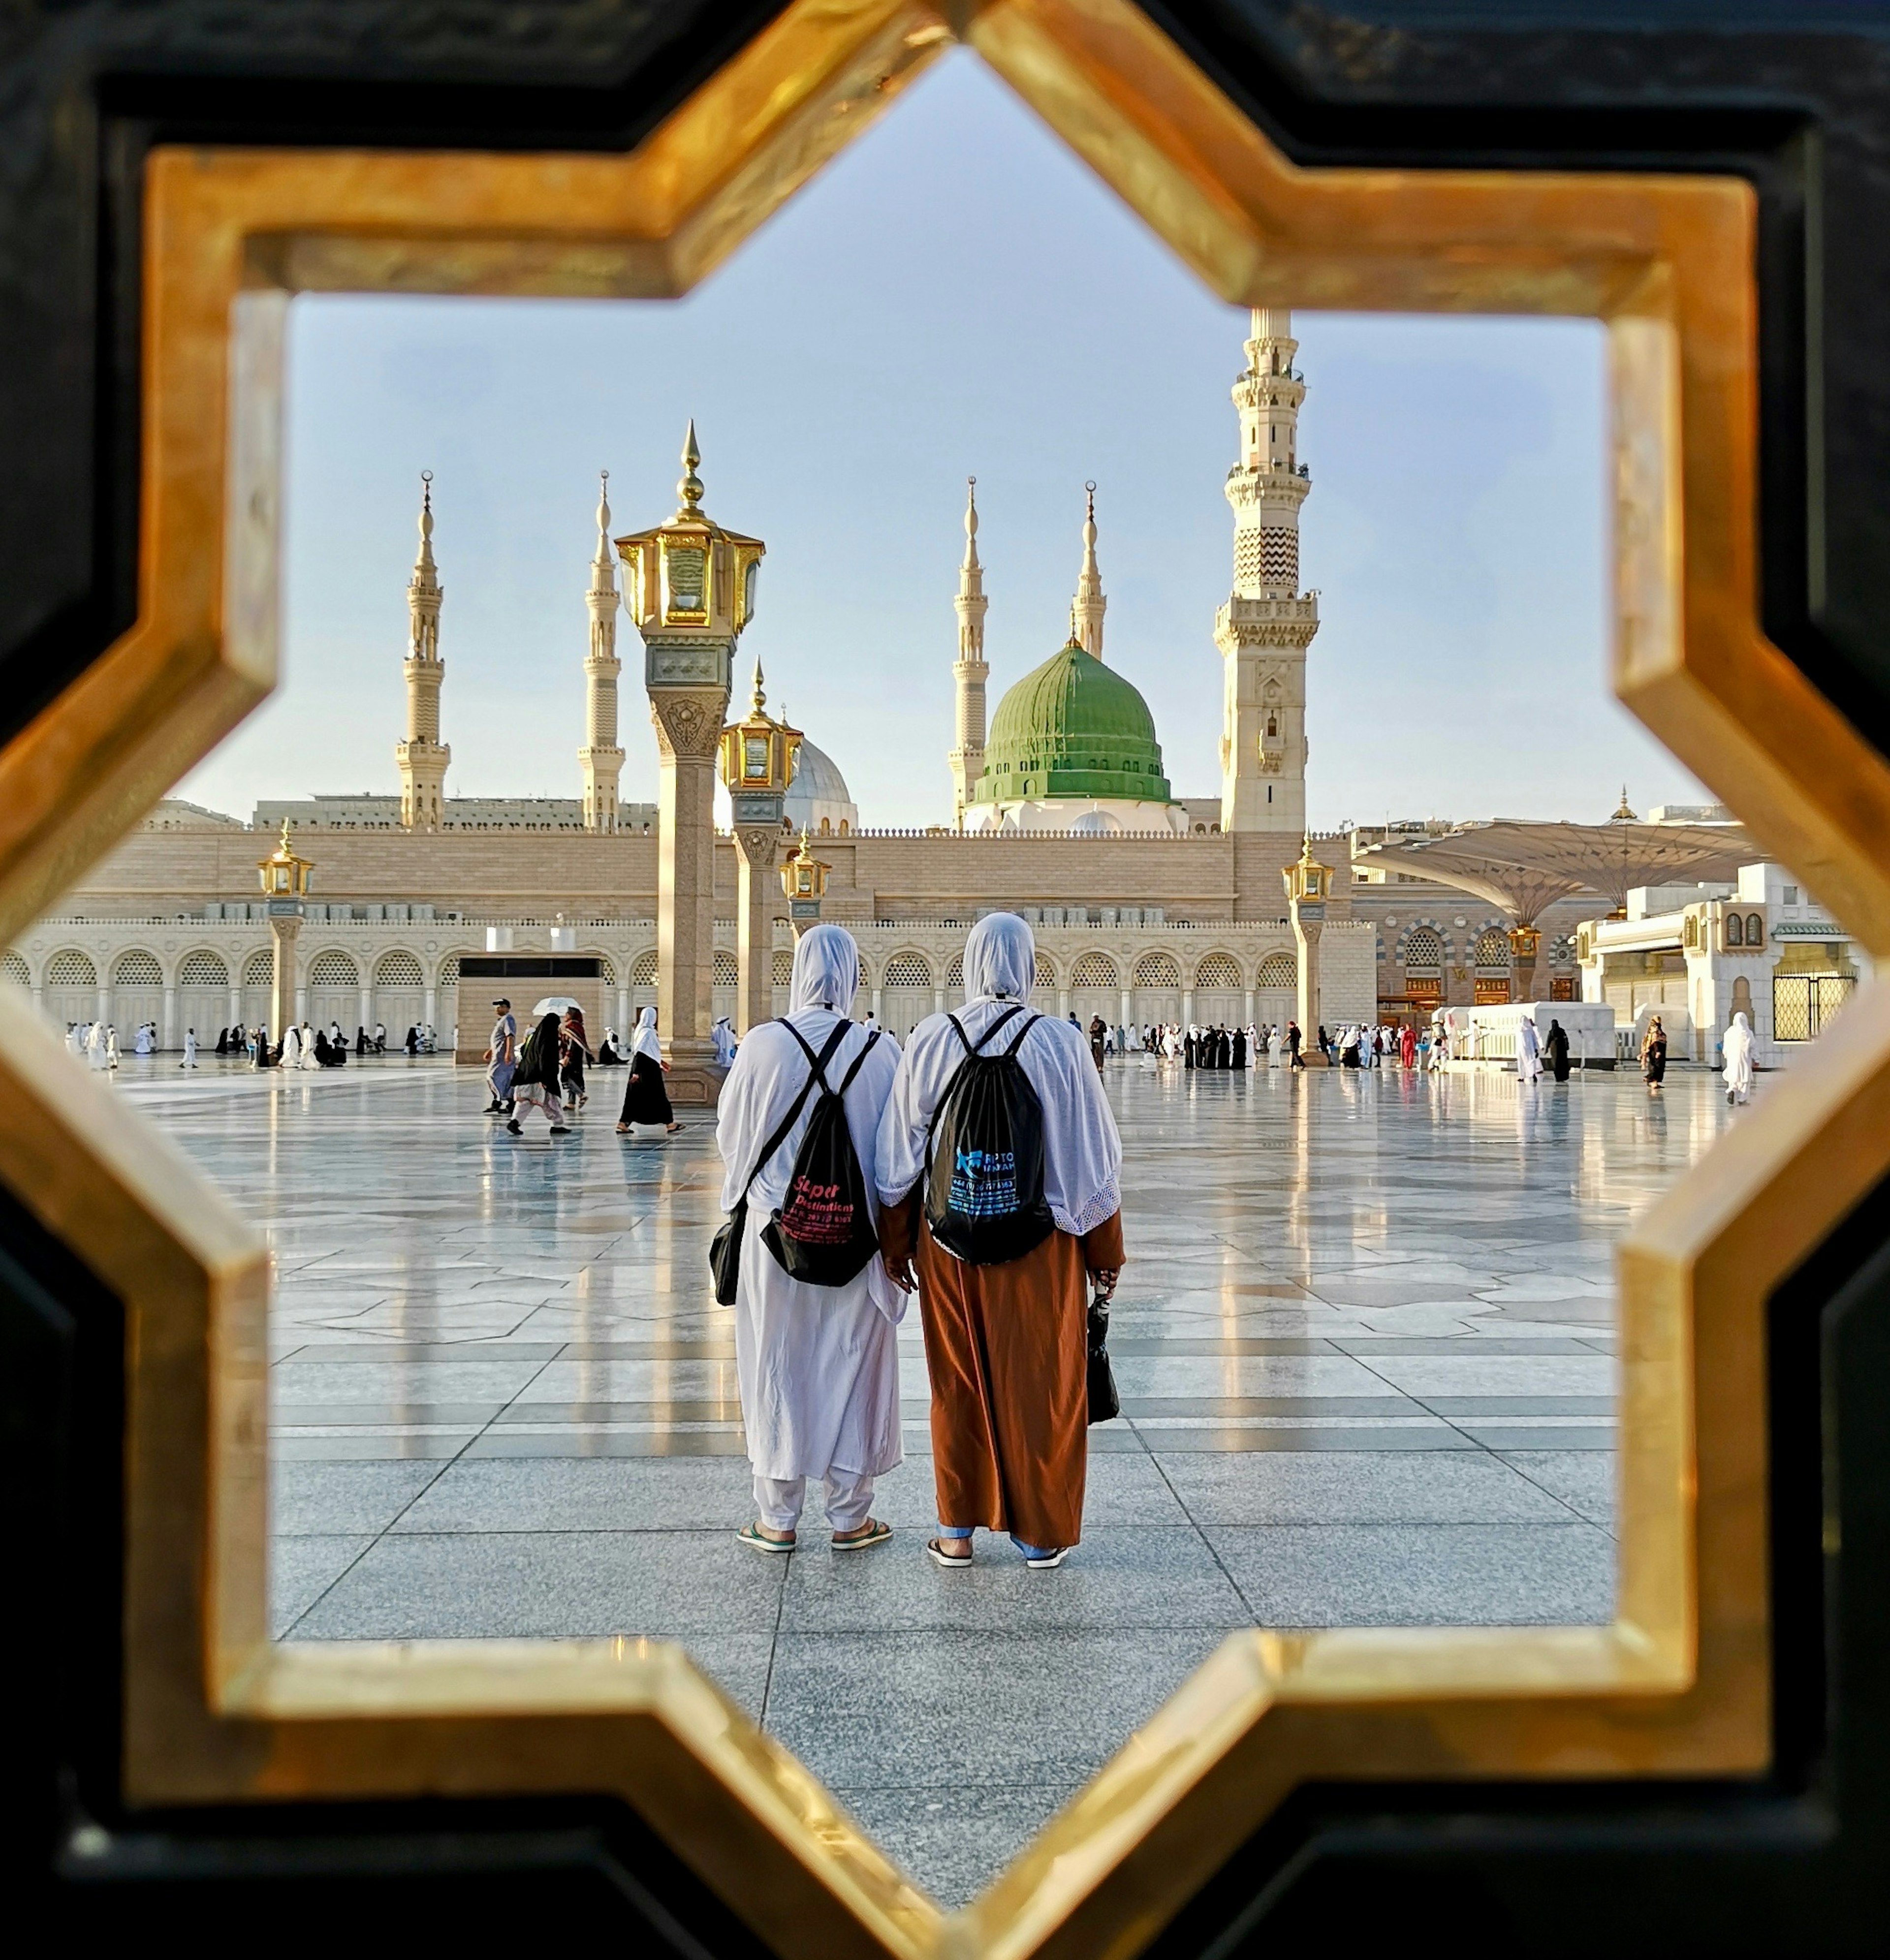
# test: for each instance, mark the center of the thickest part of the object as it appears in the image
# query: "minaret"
(1268, 623)
(1086, 629)
(969, 670)
(601, 758)
(423, 757)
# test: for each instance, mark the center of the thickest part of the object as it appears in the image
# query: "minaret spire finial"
(971, 524)
(606, 560)
(1086, 615)
(690, 489)
(760, 703)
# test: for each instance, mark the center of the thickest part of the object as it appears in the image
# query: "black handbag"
(725, 1248)
(1104, 1404)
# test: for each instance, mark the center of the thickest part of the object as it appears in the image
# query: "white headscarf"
(826, 972)
(1001, 959)
(1082, 1154)
(646, 1042)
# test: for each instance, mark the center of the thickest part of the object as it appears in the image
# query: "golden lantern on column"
(283, 875)
(1308, 882)
(758, 757)
(803, 878)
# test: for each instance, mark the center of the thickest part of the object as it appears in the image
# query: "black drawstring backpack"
(983, 1155)
(822, 1232)
(725, 1252)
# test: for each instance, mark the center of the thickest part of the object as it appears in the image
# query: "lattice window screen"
(71, 970)
(137, 970)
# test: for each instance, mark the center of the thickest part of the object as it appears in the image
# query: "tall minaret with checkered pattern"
(1268, 623)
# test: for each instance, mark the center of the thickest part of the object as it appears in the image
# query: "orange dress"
(1006, 1347)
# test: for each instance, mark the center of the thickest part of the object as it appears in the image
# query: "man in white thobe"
(190, 1049)
(818, 1367)
(98, 1054)
(1528, 1050)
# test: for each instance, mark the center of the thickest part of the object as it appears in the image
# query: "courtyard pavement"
(1364, 1344)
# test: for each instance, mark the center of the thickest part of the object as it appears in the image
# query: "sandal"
(757, 1540)
(941, 1557)
(1047, 1560)
(873, 1531)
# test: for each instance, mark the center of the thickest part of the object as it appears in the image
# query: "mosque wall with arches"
(392, 911)
(208, 974)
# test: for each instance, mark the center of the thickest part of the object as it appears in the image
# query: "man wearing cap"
(502, 1055)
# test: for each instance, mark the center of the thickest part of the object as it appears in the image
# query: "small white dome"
(819, 792)
(1096, 823)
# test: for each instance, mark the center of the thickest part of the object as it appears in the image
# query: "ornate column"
(1526, 947)
(757, 763)
(1308, 885)
(284, 877)
(690, 590)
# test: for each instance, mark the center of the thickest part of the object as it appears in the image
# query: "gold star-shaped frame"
(1677, 1685)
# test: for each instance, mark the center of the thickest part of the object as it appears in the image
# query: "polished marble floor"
(1364, 1345)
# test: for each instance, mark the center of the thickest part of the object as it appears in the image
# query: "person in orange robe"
(1006, 1345)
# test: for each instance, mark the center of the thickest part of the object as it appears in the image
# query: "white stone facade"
(1697, 956)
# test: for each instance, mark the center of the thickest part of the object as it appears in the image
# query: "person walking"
(535, 1081)
(1006, 1344)
(1737, 1049)
(817, 1366)
(573, 1052)
(1099, 1037)
(1555, 1047)
(645, 1098)
(1653, 1053)
(1293, 1040)
(190, 1049)
(1529, 1052)
(502, 1057)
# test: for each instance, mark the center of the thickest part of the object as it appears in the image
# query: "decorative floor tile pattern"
(1364, 1344)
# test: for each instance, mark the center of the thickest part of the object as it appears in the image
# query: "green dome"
(1072, 727)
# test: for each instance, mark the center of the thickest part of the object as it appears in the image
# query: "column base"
(1312, 1059)
(695, 1077)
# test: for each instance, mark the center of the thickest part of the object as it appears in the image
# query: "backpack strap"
(818, 1065)
(1010, 1052)
(857, 1060)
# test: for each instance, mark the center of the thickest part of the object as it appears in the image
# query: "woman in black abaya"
(645, 1098)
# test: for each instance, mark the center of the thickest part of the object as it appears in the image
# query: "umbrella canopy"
(558, 1004)
(1525, 868)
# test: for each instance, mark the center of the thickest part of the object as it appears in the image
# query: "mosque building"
(1149, 905)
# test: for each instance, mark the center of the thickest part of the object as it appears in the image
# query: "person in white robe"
(723, 1034)
(141, 1045)
(111, 1048)
(308, 1047)
(1738, 1050)
(74, 1039)
(190, 1049)
(1529, 1052)
(818, 1367)
(291, 1046)
(98, 1054)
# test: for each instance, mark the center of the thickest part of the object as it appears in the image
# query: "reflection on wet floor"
(1364, 1345)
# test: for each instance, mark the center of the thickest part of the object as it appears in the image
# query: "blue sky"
(956, 295)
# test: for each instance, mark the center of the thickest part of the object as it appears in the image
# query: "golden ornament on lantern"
(758, 757)
(690, 575)
(804, 879)
(1308, 882)
(1524, 943)
(283, 875)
